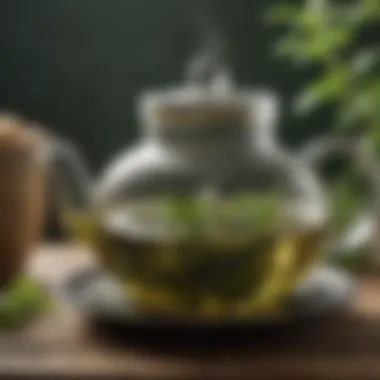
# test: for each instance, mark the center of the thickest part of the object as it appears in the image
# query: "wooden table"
(60, 345)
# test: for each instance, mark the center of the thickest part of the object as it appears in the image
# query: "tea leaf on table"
(20, 301)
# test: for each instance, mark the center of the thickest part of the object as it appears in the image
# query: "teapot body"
(208, 225)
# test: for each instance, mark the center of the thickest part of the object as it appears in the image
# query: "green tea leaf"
(258, 210)
(290, 46)
(282, 14)
(20, 301)
(365, 61)
(369, 10)
(184, 211)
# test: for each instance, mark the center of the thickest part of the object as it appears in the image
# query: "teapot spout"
(71, 179)
(316, 151)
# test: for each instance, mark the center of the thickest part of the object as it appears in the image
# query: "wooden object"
(60, 346)
(23, 170)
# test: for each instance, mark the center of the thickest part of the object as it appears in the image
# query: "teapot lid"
(191, 106)
(194, 106)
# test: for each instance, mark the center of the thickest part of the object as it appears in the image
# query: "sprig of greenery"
(20, 301)
(323, 33)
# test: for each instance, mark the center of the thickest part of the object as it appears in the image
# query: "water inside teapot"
(189, 266)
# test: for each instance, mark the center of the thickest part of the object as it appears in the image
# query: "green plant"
(330, 36)
(326, 34)
(20, 301)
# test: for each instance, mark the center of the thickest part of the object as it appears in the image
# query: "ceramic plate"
(90, 291)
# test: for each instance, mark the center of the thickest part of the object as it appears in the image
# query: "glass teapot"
(207, 216)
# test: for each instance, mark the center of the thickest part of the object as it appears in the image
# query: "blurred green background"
(77, 65)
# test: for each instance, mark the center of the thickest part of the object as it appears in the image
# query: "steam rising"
(207, 68)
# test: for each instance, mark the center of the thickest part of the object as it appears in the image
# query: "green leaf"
(363, 106)
(317, 6)
(282, 14)
(357, 261)
(290, 46)
(373, 88)
(309, 22)
(345, 14)
(369, 10)
(348, 117)
(346, 202)
(183, 211)
(331, 86)
(365, 61)
(261, 208)
(354, 14)
(315, 47)
(21, 301)
(326, 45)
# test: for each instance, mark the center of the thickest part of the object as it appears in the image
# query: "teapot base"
(99, 298)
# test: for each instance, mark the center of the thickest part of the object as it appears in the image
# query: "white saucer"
(98, 297)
